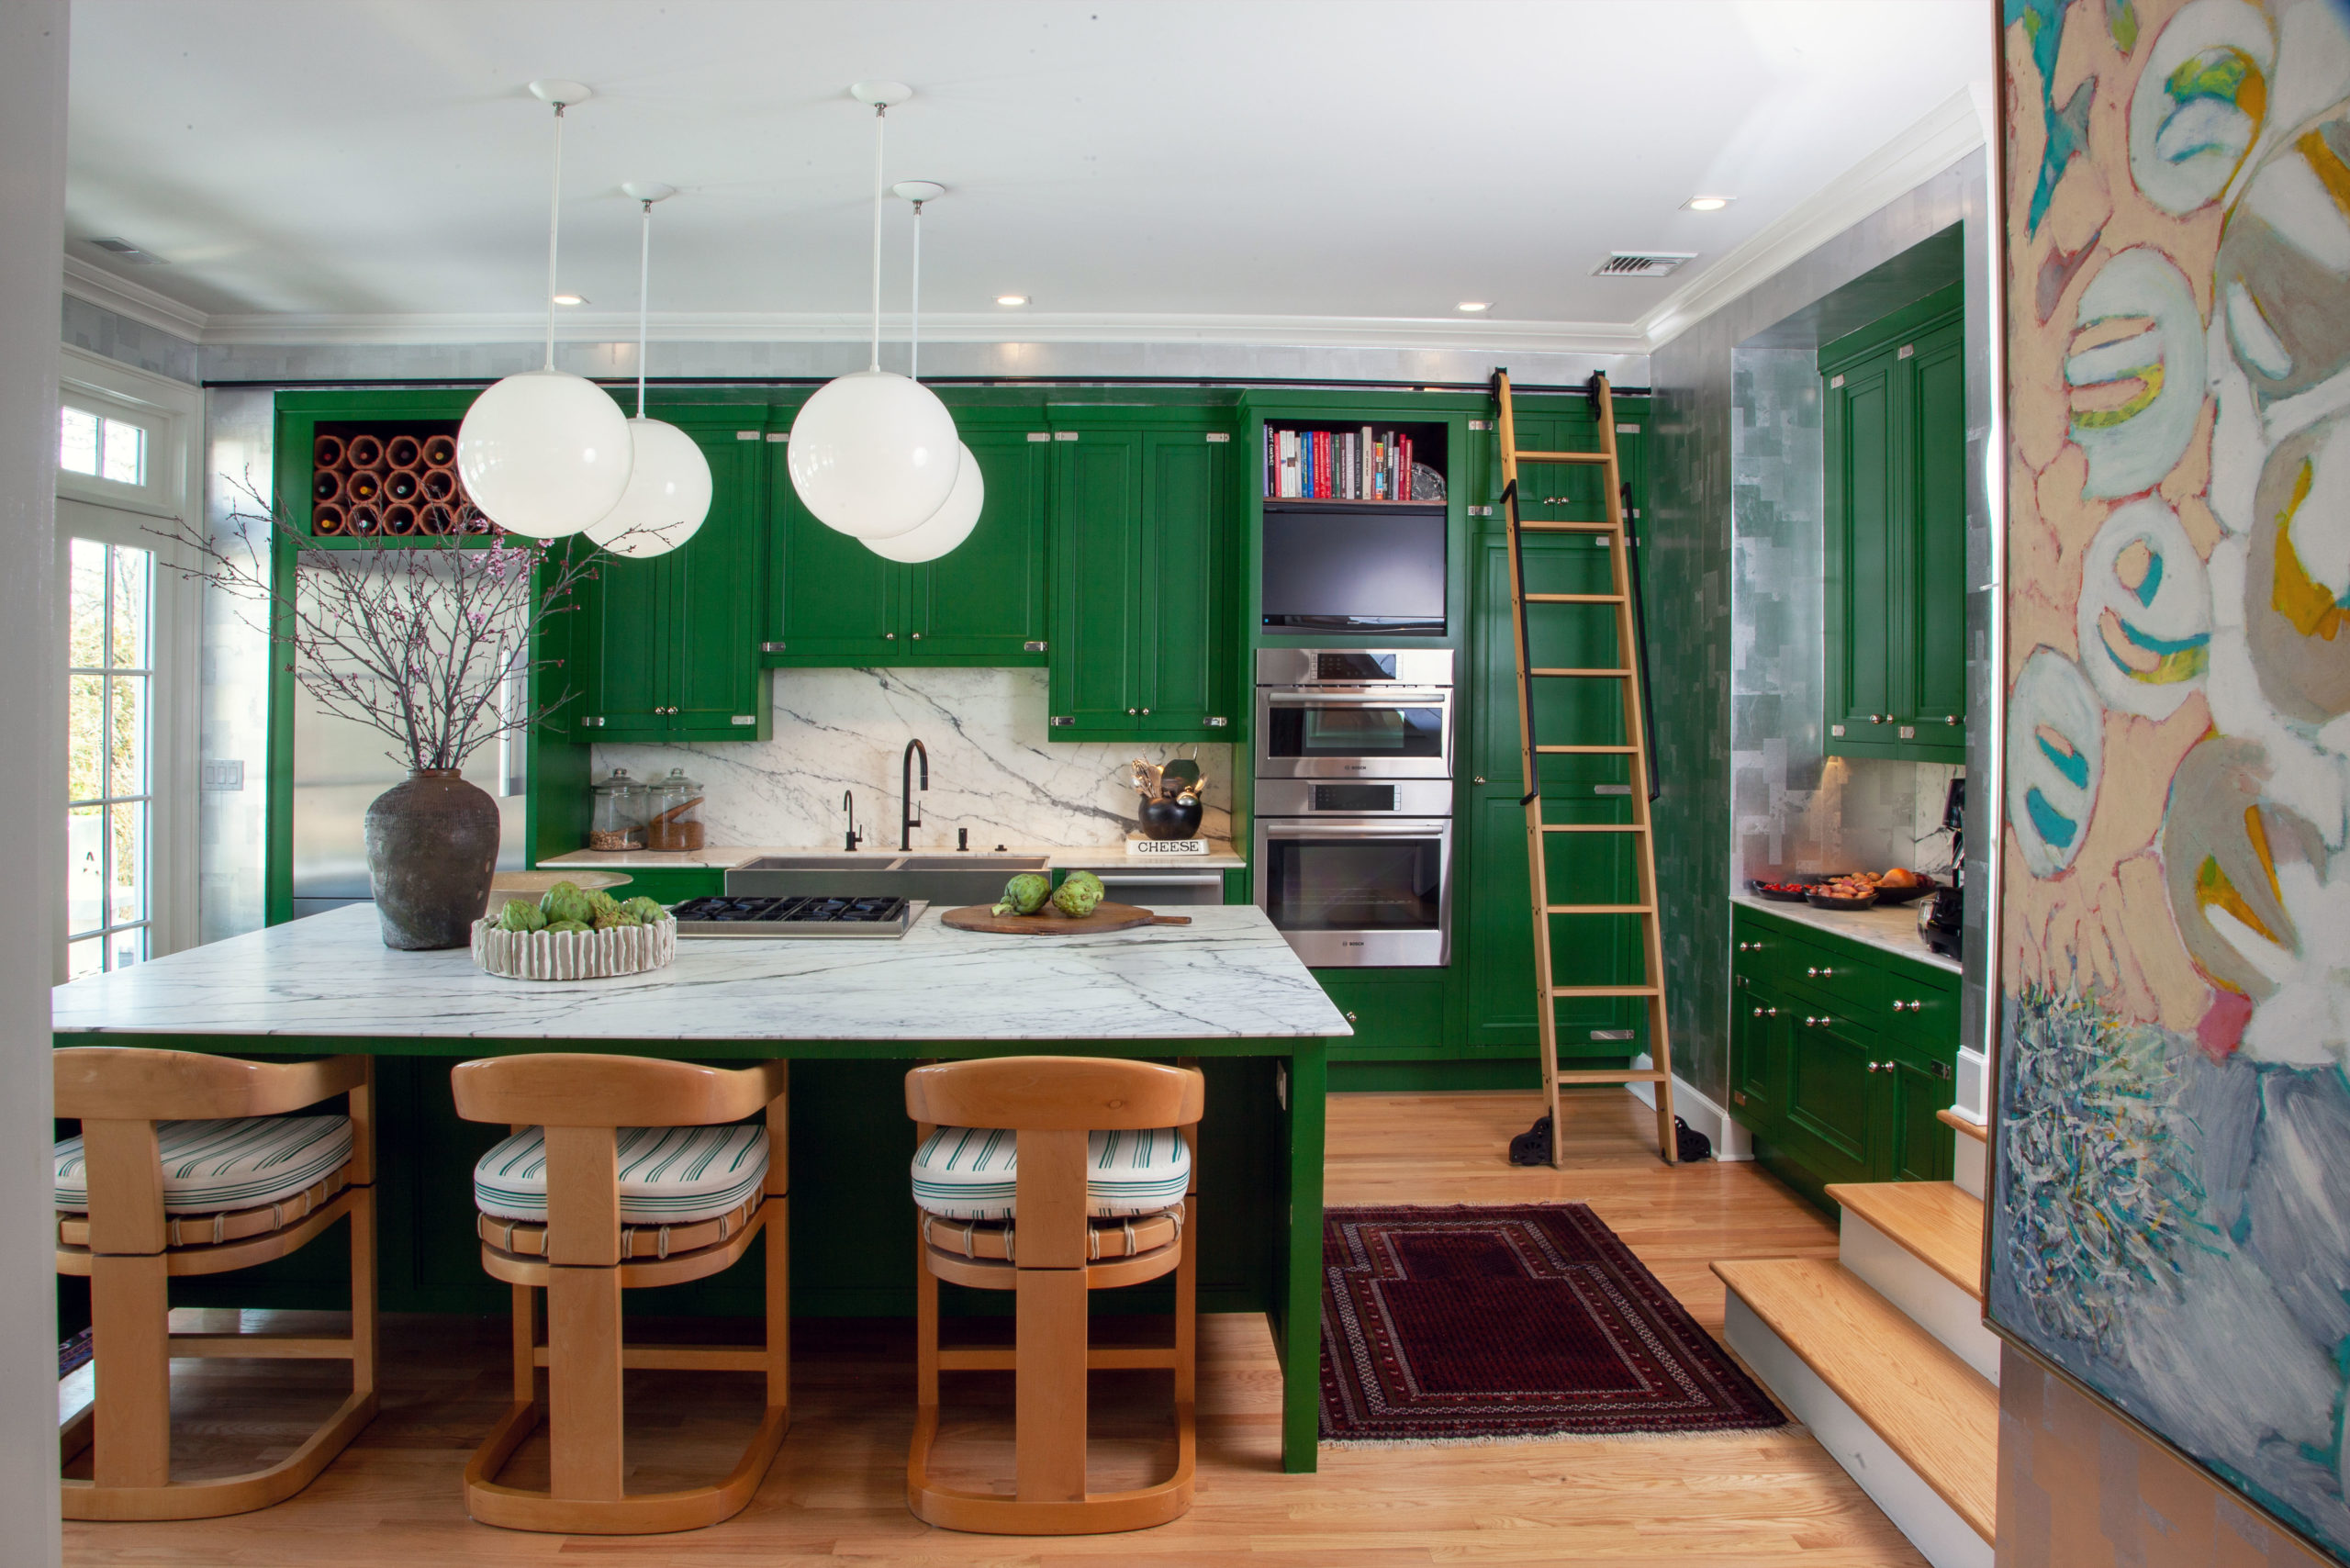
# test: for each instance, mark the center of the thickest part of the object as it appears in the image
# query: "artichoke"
(1078, 895)
(1025, 894)
(520, 914)
(568, 925)
(648, 911)
(565, 903)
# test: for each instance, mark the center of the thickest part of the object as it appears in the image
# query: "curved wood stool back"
(119, 1094)
(1053, 1103)
(582, 1101)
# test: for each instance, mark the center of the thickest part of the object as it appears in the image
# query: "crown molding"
(1954, 129)
(996, 327)
(137, 301)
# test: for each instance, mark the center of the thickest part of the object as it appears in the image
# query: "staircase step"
(1937, 1416)
(1935, 1221)
(1966, 1126)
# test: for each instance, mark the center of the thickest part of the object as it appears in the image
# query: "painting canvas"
(2170, 1195)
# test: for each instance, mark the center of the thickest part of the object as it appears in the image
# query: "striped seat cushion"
(970, 1173)
(212, 1167)
(669, 1175)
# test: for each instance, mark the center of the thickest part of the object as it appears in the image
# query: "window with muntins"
(109, 600)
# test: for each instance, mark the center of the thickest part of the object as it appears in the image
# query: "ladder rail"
(1629, 671)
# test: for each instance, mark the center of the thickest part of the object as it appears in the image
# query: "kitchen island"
(1225, 990)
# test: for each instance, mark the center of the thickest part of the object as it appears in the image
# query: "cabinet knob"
(888, 636)
(1949, 718)
(917, 636)
(1479, 779)
(1350, 1017)
(1129, 710)
(1878, 718)
(1145, 712)
(1822, 972)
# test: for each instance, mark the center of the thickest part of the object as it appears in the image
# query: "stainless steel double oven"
(1354, 803)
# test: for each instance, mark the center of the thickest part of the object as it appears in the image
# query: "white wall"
(32, 714)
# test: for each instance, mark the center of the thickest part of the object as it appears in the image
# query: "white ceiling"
(376, 167)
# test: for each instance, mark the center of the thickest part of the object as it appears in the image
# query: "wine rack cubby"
(389, 477)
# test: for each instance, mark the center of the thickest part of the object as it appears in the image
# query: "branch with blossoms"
(426, 639)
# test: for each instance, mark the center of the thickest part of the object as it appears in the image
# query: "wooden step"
(1562, 457)
(1967, 1128)
(1933, 1410)
(1935, 1221)
(1574, 599)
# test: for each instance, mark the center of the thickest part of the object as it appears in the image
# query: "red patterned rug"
(1524, 1321)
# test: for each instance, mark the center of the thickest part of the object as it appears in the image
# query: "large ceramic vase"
(432, 850)
(1167, 817)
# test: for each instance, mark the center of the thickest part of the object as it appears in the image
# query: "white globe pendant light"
(545, 454)
(952, 523)
(669, 482)
(874, 454)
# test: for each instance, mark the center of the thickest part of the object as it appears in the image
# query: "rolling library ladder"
(1624, 669)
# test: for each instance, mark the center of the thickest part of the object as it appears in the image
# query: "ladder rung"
(1580, 674)
(1605, 1075)
(1586, 750)
(1574, 599)
(1562, 457)
(1599, 908)
(1604, 991)
(1595, 827)
(1527, 526)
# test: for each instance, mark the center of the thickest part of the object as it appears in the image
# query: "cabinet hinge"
(1064, 435)
(1611, 1034)
(746, 435)
(1943, 1071)
(778, 436)
(1908, 732)
(1627, 430)
(1219, 436)
(1040, 435)
(1611, 789)
(1480, 511)
(1480, 424)
(751, 719)
(1062, 721)
(591, 721)
(1738, 1096)
(1906, 350)
(771, 647)
(1035, 645)
(1835, 381)
(1218, 722)
(1837, 730)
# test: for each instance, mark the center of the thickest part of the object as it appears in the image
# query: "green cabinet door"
(835, 603)
(1185, 646)
(1938, 541)
(620, 649)
(1832, 1124)
(1918, 1145)
(1096, 584)
(984, 600)
(1862, 517)
(1762, 1023)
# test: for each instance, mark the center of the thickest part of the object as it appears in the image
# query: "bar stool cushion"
(210, 1167)
(669, 1175)
(968, 1173)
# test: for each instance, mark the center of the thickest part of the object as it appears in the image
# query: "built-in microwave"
(1354, 713)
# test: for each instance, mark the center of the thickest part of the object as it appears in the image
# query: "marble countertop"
(1893, 930)
(1221, 856)
(1226, 974)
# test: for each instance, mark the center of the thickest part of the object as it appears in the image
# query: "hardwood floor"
(836, 1494)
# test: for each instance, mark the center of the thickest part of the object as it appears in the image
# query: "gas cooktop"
(877, 917)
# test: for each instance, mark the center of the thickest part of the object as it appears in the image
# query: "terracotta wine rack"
(396, 478)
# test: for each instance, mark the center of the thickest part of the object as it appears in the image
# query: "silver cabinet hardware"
(1836, 730)
(1823, 973)
(1035, 645)
(778, 437)
(1879, 718)
(1949, 718)
(746, 435)
(1906, 350)
(1040, 435)
(1064, 435)
(917, 636)
(1219, 436)
(1480, 511)
(1810, 1022)
(751, 719)
(771, 647)
(1145, 712)
(1479, 779)
(591, 721)
(1062, 721)
(1766, 1012)
(1480, 424)
(1839, 381)
(1908, 732)
(1350, 1017)
(888, 636)
(1218, 722)
(1129, 710)
(1911, 1006)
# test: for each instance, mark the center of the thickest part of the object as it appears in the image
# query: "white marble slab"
(1221, 856)
(994, 767)
(1893, 930)
(1229, 974)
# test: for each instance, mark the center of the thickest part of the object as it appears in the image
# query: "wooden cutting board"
(1049, 921)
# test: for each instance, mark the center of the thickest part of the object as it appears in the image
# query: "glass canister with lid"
(617, 821)
(673, 819)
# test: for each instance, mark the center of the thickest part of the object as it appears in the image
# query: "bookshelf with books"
(1380, 463)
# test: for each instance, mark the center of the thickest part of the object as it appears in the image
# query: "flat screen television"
(1346, 569)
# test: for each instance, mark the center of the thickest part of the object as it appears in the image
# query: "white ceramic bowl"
(575, 955)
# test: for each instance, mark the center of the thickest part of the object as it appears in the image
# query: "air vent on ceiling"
(1641, 263)
(127, 251)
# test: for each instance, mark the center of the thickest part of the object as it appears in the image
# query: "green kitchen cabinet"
(1143, 637)
(1894, 430)
(667, 648)
(1396, 1014)
(837, 603)
(1841, 1054)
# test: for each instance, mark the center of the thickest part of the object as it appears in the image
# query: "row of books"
(1339, 465)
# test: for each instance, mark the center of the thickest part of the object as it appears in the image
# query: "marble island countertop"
(1894, 930)
(1221, 856)
(1226, 974)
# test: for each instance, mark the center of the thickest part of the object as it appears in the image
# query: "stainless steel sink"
(1005, 865)
(946, 880)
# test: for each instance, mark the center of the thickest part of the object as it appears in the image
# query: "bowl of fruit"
(1901, 885)
(1857, 891)
(570, 933)
(1790, 890)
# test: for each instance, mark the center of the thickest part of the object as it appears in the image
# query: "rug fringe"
(1790, 1424)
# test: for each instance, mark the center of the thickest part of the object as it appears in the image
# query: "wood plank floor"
(836, 1496)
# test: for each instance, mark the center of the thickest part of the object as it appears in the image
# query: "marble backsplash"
(991, 769)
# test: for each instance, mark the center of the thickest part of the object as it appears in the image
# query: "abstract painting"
(2170, 1195)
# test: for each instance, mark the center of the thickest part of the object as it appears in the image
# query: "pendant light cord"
(643, 294)
(914, 324)
(555, 214)
(880, 128)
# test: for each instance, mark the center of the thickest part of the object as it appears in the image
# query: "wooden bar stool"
(187, 1164)
(1051, 1177)
(622, 1172)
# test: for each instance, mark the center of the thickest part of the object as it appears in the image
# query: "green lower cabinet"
(1397, 1015)
(1840, 1055)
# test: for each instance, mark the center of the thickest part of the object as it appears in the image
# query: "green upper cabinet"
(1895, 464)
(668, 649)
(837, 603)
(1143, 644)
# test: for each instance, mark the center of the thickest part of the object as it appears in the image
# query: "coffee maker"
(1941, 918)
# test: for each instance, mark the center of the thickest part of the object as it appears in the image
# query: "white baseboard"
(1932, 1526)
(1930, 1301)
(1732, 1142)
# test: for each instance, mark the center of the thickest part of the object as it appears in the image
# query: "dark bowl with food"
(1792, 889)
(1818, 900)
(1893, 897)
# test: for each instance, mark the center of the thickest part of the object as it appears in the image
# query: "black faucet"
(850, 839)
(909, 814)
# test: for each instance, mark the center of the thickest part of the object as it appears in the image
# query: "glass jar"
(618, 819)
(674, 821)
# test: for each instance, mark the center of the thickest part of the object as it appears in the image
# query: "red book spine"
(1404, 472)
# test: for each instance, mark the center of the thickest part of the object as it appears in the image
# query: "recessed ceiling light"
(1707, 204)
(1473, 305)
(571, 300)
(1011, 299)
